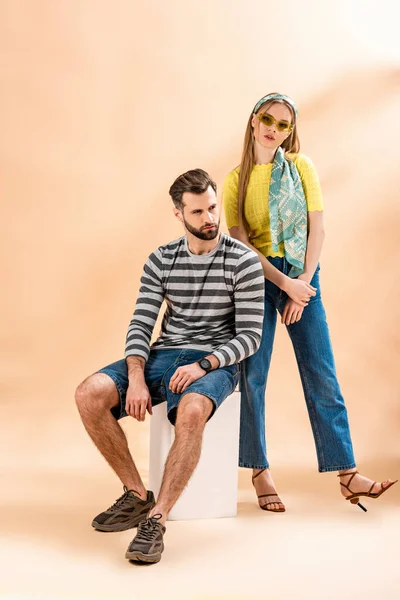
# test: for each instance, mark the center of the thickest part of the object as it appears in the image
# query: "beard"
(211, 234)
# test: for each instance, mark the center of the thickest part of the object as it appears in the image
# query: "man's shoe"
(127, 512)
(148, 544)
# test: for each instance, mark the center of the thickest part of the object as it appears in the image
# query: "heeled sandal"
(355, 496)
(265, 506)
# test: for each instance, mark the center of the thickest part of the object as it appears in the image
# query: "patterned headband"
(276, 97)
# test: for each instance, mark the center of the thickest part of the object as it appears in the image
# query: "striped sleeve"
(249, 311)
(147, 307)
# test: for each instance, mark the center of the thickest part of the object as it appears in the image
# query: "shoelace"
(122, 500)
(148, 529)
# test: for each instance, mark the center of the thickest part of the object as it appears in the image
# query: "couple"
(222, 295)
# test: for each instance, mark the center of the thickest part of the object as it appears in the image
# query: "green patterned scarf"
(288, 212)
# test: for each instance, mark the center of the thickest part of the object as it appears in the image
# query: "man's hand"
(292, 312)
(138, 399)
(300, 291)
(184, 376)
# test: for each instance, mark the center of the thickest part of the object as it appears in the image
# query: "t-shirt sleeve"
(311, 185)
(230, 199)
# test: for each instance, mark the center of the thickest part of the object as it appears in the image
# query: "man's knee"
(193, 411)
(96, 393)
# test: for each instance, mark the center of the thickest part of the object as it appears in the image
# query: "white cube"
(212, 490)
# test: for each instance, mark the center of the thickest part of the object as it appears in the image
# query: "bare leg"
(94, 398)
(193, 412)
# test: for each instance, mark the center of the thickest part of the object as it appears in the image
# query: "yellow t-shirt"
(256, 208)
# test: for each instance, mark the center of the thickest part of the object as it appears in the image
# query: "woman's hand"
(292, 312)
(299, 291)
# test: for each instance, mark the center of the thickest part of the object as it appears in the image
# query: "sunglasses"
(268, 120)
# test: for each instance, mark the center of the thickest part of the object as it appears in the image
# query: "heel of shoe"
(358, 503)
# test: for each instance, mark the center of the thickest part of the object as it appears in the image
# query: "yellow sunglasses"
(268, 120)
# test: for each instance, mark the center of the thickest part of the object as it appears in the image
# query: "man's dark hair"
(195, 181)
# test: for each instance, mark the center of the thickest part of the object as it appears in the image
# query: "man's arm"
(148, 304)
(249, 311)
(138, 338)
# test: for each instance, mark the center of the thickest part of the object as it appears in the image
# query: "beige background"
(102, 105)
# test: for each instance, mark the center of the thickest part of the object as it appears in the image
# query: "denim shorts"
(160, 367)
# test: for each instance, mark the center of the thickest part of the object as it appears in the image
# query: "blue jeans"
(161, 365)
(325, 404)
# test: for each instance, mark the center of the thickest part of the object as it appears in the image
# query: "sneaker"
(127, 512)
(148, 544)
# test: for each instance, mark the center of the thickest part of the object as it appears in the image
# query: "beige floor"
(321, 548)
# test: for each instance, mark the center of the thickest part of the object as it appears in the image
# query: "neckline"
(263, 166)
(203, 257)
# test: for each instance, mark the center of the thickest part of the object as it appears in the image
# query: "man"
(213, 287)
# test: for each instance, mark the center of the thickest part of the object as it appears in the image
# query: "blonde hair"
(291, 144)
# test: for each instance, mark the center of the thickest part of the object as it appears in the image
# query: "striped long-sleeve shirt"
(214, 301)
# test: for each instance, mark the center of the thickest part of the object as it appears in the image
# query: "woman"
(273, 204)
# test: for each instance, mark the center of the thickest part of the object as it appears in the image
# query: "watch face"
(205, 364)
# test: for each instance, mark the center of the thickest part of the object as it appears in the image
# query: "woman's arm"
(293, 311)
(300, 291)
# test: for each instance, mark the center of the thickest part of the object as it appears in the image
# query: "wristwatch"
(205, 364)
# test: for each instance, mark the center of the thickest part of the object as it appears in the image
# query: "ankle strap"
(345, 474)
(257, 474)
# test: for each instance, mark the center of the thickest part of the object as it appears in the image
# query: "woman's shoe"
(267, 504)
(355, 496)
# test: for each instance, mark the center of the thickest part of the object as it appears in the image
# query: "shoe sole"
(118, 526)
(145, 558)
